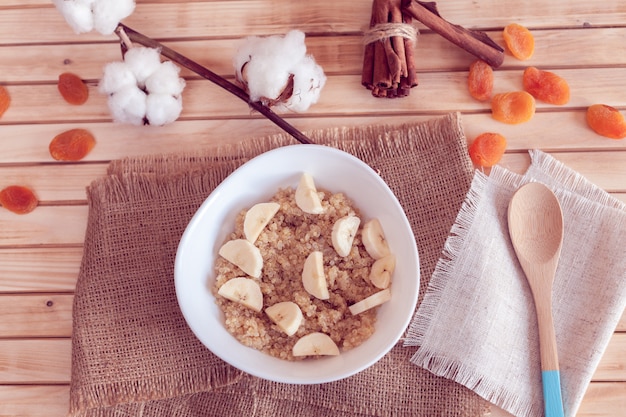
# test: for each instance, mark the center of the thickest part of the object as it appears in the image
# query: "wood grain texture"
(40, 253)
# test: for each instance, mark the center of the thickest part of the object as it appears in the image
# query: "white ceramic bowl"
(257, 181)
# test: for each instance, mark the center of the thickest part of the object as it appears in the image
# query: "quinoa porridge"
(284, 243)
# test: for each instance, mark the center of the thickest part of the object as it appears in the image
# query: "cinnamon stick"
(475, 42)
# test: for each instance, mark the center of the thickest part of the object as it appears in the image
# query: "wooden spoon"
(536, 229)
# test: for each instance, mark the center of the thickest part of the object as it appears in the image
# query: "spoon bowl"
(536, 229)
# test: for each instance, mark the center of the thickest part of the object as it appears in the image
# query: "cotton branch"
(134, 36)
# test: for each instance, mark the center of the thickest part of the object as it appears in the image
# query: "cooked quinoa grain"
(285, 243)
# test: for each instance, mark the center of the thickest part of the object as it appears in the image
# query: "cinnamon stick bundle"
(389, 64)
(388, 61)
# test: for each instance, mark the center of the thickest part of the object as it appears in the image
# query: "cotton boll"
(108, 13)
(143, 62)
(265, 66)
(128, 105)
(162, 109)
(117, 75)
(77, 14)
(165, 80)
(308, 81)
(269, 61)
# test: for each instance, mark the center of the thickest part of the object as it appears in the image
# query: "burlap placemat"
(132, 351)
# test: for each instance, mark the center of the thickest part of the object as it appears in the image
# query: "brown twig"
(204, 72)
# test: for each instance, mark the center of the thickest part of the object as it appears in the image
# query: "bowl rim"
(354, 362)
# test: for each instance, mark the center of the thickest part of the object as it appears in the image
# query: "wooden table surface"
(40, 252)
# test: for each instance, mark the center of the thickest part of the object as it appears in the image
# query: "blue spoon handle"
(553, 403)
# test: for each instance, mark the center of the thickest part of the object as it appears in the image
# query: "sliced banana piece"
(244, 255)
(313, 277)
(374, 239)
(382, 270)
(257, 217)
(307, 197)
(245, 291)
(344, 231)
(287, 316)
(315, 344)
(372, 301)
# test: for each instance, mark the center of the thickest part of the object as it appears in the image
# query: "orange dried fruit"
(480, 80)
(72, 88)
(546, 86)
(513, 107)
(72, 145)
(519, 41)
(5, 100)
(18, 199)
(487, 149)
(606, 121)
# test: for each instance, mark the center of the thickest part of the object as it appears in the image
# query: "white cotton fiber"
(143, 62)
(264, 66)
(117, 75)
(156, 99)
(128, 105)
(165, 80)
(108, 13)
(101, 15)
(77, 14)
(309, 79)
(162, 109)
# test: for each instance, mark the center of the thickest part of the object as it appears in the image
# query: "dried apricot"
(5, 100)
(606, 121)
(72, 145)
(487, 149)
(519, 41)
(72, 88)
(18, 199)
(513, 107)
(480, 80)
(546, 86)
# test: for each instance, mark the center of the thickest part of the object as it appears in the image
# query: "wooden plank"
(60, 184)
(60, 225)
(601, 399)
(336, 54)
(54, 182)
(34, 400)
(48, 361)
(39, 269)
(119, 140)
(33, 316)
(232, 19)
(437, 92)
(35, 361)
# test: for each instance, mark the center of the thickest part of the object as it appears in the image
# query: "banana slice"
(315, 344)
(344, 231)
(307, 197)
(243, 254)
(257, 217)
(313, 277)
(372, 301)
(287, 316)
(374, 239)
(244, 291)
(382, 270)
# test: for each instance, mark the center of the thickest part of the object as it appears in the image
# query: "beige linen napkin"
(133, 354)
(477, 323)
